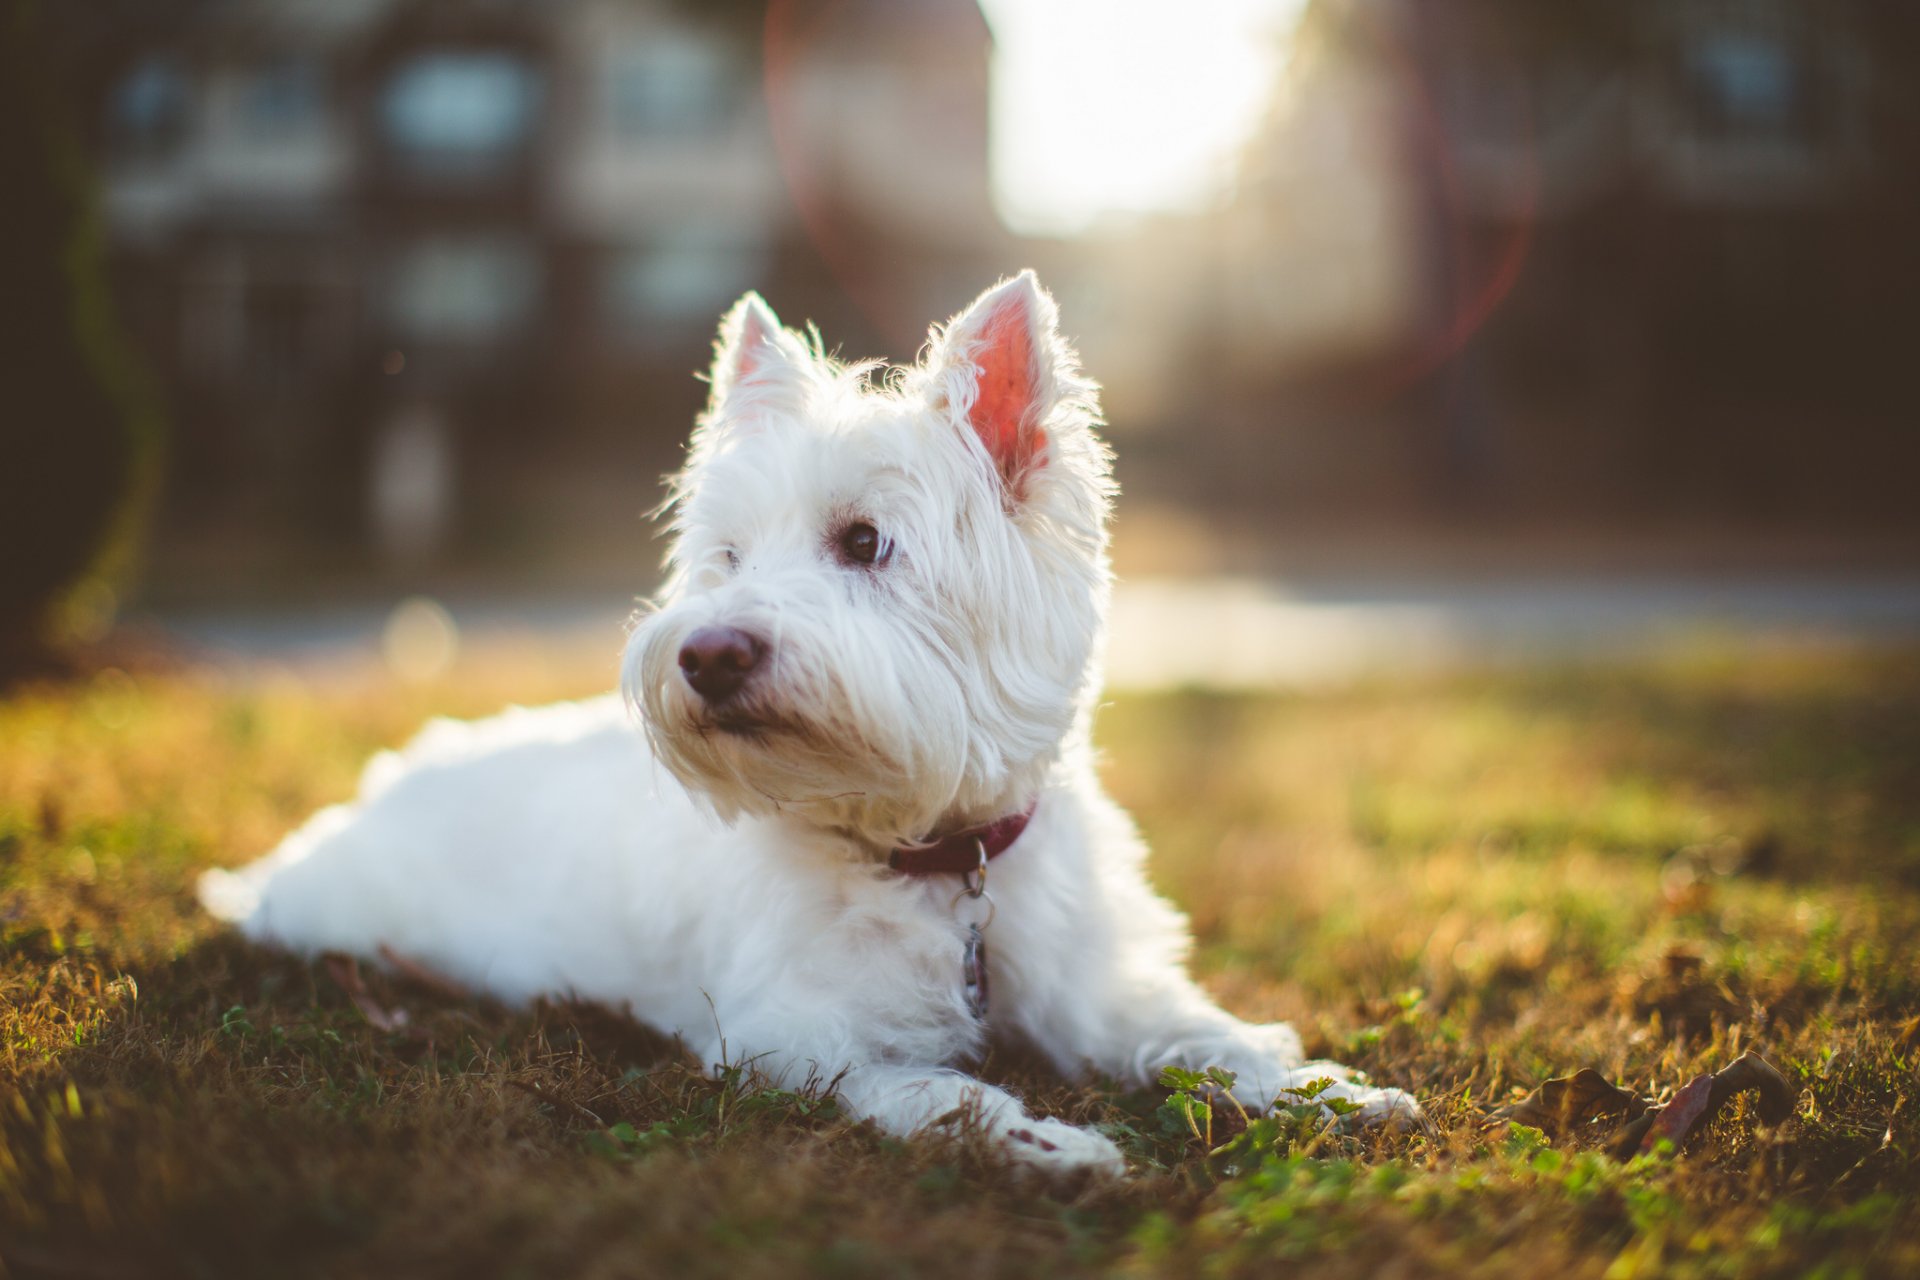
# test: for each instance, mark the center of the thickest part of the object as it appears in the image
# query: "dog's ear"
(999, 363)
(754, 350)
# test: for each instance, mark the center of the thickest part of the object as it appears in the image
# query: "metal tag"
(973, 971)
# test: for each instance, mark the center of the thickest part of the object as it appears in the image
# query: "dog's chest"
(913, 954)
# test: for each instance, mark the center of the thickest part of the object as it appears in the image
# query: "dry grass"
(1464, 886)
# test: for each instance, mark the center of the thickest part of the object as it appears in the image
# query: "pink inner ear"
(751, 350)
(1006, 391)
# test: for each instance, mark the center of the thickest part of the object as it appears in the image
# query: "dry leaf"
(1703, 1096)
(1565, 1105)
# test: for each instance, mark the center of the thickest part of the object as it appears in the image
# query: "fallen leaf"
(1567, 1104)
(1702, 1097)
(1680, 1116)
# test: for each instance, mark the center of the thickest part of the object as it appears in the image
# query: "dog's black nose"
(717, 660)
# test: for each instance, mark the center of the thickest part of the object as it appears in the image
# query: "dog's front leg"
(1181, 1027)
(906, 1100)
(1113, 995)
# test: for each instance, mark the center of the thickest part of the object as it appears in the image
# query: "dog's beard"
(873, 743)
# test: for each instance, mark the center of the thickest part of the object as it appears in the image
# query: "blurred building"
(1612, 256)
(384, 252)
(421, 274)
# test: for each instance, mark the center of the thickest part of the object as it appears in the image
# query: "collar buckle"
(964, 853)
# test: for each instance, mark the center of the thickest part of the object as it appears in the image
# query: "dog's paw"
(1394, 1110)
(1060, 1150)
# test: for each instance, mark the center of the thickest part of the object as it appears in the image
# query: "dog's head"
(887, 595)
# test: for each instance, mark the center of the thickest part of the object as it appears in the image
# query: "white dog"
(861, 832)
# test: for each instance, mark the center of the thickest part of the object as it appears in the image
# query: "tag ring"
(973, 884)
(976, 888)
(983, 896)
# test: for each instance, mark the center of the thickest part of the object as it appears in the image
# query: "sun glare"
(1125, 106)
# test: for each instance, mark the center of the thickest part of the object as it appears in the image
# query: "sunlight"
(1125, 106)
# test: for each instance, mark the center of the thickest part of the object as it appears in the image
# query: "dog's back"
(503, 852)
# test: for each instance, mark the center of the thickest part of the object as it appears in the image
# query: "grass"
(1464, 886)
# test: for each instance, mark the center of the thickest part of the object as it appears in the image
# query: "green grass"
(1464, 886)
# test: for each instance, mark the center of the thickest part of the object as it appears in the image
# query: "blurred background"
(1430, 329)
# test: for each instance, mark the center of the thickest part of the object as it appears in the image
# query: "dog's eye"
(733, 560)
(861, 543)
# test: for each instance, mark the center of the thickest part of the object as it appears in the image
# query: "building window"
(662, 290)
(670, 86)
(463, 289)
(282, 99)
(1746, 86)
(147, 112)
(460, 112)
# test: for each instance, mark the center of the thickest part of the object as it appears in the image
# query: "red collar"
(960, 852)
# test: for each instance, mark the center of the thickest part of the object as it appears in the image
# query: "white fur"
(731, 887)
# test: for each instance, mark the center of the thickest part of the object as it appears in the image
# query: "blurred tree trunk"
(79, 436)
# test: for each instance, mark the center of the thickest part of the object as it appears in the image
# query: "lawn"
(1465, 886)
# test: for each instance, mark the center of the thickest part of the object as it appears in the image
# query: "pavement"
(1226, 633)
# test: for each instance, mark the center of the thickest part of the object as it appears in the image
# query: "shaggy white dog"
(860, 833)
